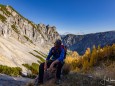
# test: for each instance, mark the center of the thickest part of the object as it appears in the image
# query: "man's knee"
(59, 65)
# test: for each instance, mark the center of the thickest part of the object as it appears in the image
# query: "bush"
(91, 59)
(66, 69)
(12, 71)
(33, 68)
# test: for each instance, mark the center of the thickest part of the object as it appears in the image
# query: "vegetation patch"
(2, 18)
(33, 68)
(92, 58)
(15, 29)
(4, 10)
(28, 39)
(12, 71)
(41, 53)
(41, 59)
(30, 22)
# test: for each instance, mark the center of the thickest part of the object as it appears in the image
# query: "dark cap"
(58, 42)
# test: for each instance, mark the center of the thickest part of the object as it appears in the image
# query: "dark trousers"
(58, 67)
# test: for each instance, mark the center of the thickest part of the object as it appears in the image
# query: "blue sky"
(69, 16)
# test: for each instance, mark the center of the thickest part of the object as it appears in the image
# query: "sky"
(69, 16)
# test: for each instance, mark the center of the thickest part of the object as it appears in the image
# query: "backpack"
(65, 49)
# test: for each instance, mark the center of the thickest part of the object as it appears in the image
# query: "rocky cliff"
(12, 24)
(20, 38)
(80, 43)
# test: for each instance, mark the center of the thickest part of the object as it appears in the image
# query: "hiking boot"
(39, 83)
(58, 81)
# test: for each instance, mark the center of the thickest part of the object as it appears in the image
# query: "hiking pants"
(58, 69)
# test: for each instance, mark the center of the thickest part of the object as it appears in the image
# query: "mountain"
(21, 40)
(24, 42)
(80, 43)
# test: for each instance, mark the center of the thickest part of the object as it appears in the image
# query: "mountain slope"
(20, 38)
(80, 43)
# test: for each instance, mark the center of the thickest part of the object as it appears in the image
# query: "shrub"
(91, 59)
(66, 69)
(72, 61)
(33, 68)
(12, 71)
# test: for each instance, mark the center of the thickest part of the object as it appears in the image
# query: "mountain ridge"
(80, 43)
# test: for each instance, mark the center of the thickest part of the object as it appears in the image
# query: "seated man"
(57, 53)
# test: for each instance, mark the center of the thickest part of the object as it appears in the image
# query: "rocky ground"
(6, 80)
(73, 79)
(76, 79)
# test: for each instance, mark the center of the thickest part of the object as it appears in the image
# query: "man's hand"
(51, 68)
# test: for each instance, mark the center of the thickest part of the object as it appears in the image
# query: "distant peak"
(78, 33)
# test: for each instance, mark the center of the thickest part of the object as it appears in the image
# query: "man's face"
(56, 45)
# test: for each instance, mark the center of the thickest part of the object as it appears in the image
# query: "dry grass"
(105, 71)
(48, 83)
(75, 79)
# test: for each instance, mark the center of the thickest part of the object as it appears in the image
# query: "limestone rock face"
(20, 36)
(19, 27)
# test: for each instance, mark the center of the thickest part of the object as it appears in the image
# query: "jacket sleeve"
(50, 54)
(61, 58)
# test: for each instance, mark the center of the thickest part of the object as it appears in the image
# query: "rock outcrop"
(20, 38)
(15, 25)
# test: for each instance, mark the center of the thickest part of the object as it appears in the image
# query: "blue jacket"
(56, 54)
